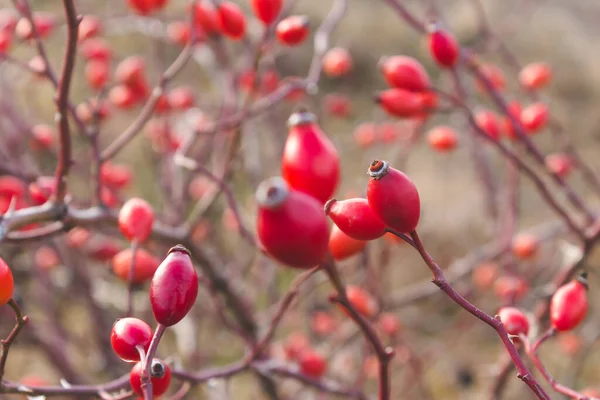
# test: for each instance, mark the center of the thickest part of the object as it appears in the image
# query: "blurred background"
(444, 353)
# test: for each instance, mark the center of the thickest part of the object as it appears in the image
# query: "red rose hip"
(291, 225)
(135, 219)
(443, 47)
(266, 10)
(355, 218)
(292, 30)
(393, 197)
(127, 334)
(160, 376)
(514, 320)
(569, 305)
(174, 287)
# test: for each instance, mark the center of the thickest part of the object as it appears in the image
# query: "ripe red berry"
(405, 72)
(487, 121)
(160, 376)
(7, 284)
(144, 269)
(535, 76)
(41, 190)
(145, 7)
(393, 197)
(95, 49)
(295, 345)
(559, 164)
(535, 117)
(5, 41)
(291, 225)
(232, 21)
(77, 237)
(342, 246)
(44, 26)
(105, 250)
(400, 102)
(266, 10)
(293, 30)
(178, 32)
(312, 364)
(361, 300)
(174, 287)
(205, 17)
(355, 218)
(514, 321)
(127, 334)
(389, 324)
(442, 139)
(310, 162)
(131, 70)
(510, 288)
(122, 96)
(443, 47)
(96, 74)
(322, 323)
(46, 258)
(337, 62)
(365, 134)
(484, 275)
(43, 136)
(135, 219)
(525, 246)
(116, 176)
(89, 26)
(181, 98)
(569, 305)
(494, 75)
(11, 187)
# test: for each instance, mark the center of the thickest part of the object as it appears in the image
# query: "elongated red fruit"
(342, 246)
(292, 30)
(443, 46)
(174, 287)
(266, 10)
(310, 162)
(514, 320)
(569, 305)
(135, 219)
(400, 102)
(355, 218)
(291, 225)
(405, 73)
(393, 197)
(231, 20)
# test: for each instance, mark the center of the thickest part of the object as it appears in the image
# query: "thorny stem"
(495, 323)
(5, 344)
(384, 354)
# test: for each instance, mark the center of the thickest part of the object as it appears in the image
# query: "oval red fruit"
(160, 376)
(535, 76)
(310, 162)
(266, 10)
(404, 72)
(393, 197)
(342, 246)
(312, 364)
(535, 117)
(337, 62)
(144, 268)
(232, 21)
(443, 47)
(7, 284)
(569, 305)
(127, 334)
(293, 30)
(291, 225)
(442, 139)
(174, 287)
(400, 102)
(514, 320)
(135, 219)
(355, 218)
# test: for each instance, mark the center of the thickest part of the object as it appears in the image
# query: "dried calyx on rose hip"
(355, 218)
(569, 304)
(160, 376)
(174, 287)
(393, 197)
(127, 335)
(310, 161)
(291, 225)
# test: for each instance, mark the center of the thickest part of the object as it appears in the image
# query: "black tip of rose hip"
(157, 369)
(378, 169)
(300, 117)
(377, 98)
(272, 192)
(328, 205)
(583, 279)
(180, 248)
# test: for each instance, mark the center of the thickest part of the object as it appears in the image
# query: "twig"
(5, 344)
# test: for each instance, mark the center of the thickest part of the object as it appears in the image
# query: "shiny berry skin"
(514, 321)
(181, 98)
(135, 219)
(266, 10)
(312, 364)
(404, 72)
(160, 376)
(293, 30)
(488, 122)
(559, 164)
(442, 139)
(393, 197)
(127, 334)
(232, 22)
(400, 102)
(310, 162)
(291, 225)
(337, 62)
(342, 246)
(89, 26)
(569, 305)
(206, 18)
(145, 265)
(535, 76)
(361, 300)
(7, 284)
(355, 218)
(174, 287)
(525, 246)
(443, 47)
(534, 117)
